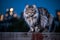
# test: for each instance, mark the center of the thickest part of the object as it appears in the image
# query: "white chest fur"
(31, 20)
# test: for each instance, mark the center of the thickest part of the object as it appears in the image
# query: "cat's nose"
(29, 20)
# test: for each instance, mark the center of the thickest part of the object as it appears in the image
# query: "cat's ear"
(27, 6)
(34, 6)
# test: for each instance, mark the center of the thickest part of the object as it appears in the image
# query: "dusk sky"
(19, 5)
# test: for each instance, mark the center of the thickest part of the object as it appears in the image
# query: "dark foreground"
(28, 36)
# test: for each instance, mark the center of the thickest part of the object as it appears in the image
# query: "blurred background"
(11, 10)
(18, 5)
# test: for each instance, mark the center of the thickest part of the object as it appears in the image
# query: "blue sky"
(18, 5)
